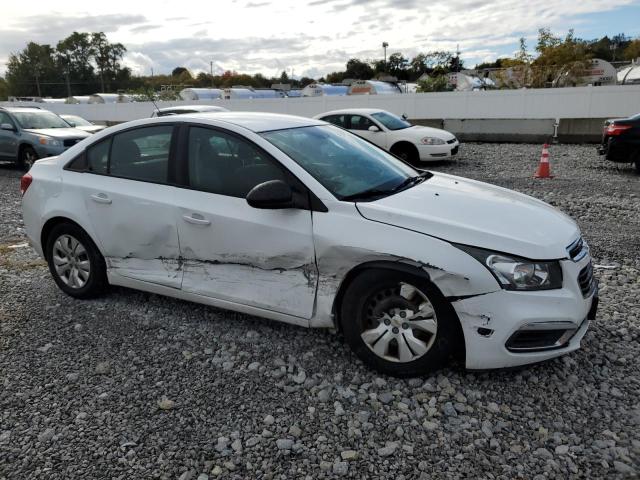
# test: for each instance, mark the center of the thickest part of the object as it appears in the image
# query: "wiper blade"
(377, 192)
(409, 182)
(366, 194)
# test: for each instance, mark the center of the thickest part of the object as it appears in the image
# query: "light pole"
(211, 72)
(385, 45)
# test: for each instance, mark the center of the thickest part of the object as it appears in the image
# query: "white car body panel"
(262, 257)
(386, 138)
(289, 265)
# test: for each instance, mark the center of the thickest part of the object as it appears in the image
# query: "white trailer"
(109, 98)
(194, 94)
(373, 87)
(320, 89)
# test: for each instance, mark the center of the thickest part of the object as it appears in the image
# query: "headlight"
(432, 141)
(515, 273)
(52, 142)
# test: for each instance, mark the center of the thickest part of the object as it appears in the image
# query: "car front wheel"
(398, 324)
(27, 158)
(75, 262)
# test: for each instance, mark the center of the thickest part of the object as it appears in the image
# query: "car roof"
(354, 111)
(255, 121)
(195, 108)
(23, 109)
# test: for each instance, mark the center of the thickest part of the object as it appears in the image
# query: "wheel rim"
(71, 261)
(400, 323)
(28, 158)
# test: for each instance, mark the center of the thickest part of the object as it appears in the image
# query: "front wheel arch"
(397, 267)
(410, 148)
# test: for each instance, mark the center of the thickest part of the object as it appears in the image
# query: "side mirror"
(71, 122)
(404, 116)
(7, 126)
(373, 128)
(273, 194)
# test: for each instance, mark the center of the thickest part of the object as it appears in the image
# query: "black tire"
(27, 157)
(95, 282)
(356, 314)
(406, 152)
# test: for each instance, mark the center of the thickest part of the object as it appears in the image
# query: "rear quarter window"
(98, 157)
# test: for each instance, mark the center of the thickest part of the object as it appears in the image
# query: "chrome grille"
(578, 249)
(585, 280)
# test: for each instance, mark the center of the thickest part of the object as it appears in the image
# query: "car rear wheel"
(27, 157)
(398, 324)
(75, 262)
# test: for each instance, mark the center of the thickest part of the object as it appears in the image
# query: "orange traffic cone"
(544, 169)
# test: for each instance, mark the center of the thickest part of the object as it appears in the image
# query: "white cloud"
(314, 38)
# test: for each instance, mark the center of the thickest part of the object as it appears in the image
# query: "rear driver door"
(131, 204)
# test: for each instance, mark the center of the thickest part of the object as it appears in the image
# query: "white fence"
(579, 102)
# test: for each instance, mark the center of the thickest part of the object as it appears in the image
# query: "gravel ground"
(139, 386)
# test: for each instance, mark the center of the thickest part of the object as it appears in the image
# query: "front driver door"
(230, 250)
(360, 124)
(8, 139)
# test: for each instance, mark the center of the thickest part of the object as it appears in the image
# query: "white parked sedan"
(413, 143)
(300, 221)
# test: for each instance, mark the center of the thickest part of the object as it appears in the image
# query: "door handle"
(196, 219)
(101, 198)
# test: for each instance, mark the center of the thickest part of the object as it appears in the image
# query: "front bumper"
(44, 151)
(491, 321)
(433, 153)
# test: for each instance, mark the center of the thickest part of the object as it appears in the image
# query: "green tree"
(73, 56)
(358, 69)
(107, 57)
(29, 69)
(4, 89)
(632, 51)
(176, 72)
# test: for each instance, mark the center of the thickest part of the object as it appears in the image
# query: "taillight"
(25, 181)
(614, 129)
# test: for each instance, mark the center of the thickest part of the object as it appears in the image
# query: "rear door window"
(142, 154)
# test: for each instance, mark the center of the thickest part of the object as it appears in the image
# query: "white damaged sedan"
(414, 144)
(300, 221)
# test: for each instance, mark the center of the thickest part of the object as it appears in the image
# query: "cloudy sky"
(312, 37)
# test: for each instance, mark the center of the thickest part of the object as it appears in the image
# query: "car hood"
(418, 132)
(91, 128)
(473, 213)
(58, 132)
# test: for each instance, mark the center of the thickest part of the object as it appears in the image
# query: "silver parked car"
(82, 124)
(30, 133)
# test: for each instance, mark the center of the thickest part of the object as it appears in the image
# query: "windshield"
(349, 167)
(35, 120)
(391, 121)
(77, 121)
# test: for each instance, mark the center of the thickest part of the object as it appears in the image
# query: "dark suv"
(621, 140)
(30, 133)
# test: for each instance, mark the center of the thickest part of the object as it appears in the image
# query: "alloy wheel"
(400, 324)
(71, 261)
(28, 158)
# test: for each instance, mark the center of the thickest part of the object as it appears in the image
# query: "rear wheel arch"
(53, 222)
(396, 267)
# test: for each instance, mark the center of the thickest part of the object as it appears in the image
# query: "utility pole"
(38, 83)
(68, 83)
(211, 72)
(384, 46)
